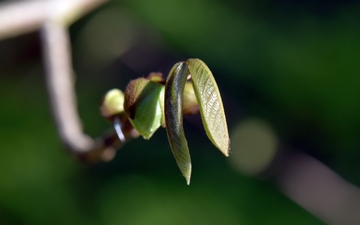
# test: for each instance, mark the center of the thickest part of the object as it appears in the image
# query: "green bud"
(113, 103)
(144, 105)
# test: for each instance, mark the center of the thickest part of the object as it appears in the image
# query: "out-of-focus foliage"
(292, 66)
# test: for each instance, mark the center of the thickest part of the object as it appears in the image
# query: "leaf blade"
(210, 104)
(174, 89)
(142, 105)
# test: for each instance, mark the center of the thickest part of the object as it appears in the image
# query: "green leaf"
(143, 105)
(174, 89)
(210, 104)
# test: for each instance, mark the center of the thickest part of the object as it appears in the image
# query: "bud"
(143, 105)
(113, 103)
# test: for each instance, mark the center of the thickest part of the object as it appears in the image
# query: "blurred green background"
(290, 66)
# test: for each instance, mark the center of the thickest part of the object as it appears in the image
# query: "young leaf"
(174, 89)
(143, 105)
(210, 104)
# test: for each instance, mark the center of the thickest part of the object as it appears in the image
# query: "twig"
(21, 17)
(53, 18)
(318, 189)
(60, 83)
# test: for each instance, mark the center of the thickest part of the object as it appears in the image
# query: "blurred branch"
(303, 179)
(53, 18)
(60, 83)
(318, 189)
(26, 16)
(298, 175)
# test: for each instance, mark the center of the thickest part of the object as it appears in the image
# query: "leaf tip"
(185, 170)
(187, 173)
(226, 153)
(224, 149)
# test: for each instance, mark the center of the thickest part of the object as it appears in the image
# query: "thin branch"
(60, 83)
(318, 189)
(53, 18)
(21, 17)
(302, 178)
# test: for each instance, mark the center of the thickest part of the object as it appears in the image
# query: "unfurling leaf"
(148, 103)
(174, 89)
(208, 100)
(210, 104)
(144, 105)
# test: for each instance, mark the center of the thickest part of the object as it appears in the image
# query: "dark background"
(288, 72)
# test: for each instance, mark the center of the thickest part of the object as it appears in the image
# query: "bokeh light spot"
(254, 145)
(107, 36)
